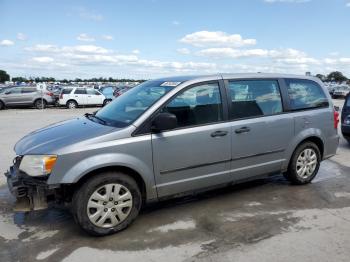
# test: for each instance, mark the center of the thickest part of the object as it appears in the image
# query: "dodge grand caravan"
(173, 136)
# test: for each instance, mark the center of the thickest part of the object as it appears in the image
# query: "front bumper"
(31, 193)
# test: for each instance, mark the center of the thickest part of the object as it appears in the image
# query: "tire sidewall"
(2, 105)
(84, 193)
(70, 102)
(40, 104)
(292, 172)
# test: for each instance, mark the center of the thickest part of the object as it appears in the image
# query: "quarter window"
(305, 94)
(252, 98)
(197, 106)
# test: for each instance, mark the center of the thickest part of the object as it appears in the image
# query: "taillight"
(336, 119)
(49, 93)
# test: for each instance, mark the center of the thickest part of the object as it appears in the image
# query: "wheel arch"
(311, 138)
(124, 169)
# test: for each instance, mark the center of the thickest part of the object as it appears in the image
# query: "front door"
(260, 131)
(13, 96)
(94, 97)
(196, 154)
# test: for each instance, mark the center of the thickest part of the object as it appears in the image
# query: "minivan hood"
(54, 137)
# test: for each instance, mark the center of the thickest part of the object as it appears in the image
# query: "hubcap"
(306, 163)
(109, 205)
(71, 105)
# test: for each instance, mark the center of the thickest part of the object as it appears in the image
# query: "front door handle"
(218, 133)
(241, 130)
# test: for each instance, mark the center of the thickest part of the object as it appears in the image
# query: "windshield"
(127, 107)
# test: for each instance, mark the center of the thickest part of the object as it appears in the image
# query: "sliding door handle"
(218, 133)
(244, 129)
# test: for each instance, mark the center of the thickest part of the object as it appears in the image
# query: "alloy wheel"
(306, 163)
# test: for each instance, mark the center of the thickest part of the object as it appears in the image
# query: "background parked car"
(345, 119)
(108, 92)
(121, 91)
(25, 96)
(79, 96)
(341, 91)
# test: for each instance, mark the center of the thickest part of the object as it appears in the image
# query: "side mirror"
(164, 121)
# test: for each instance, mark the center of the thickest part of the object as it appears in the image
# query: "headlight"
(37, 165)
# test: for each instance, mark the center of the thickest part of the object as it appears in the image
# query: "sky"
(146, 39)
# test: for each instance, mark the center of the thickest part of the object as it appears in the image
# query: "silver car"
(25, 96)
(174, 136)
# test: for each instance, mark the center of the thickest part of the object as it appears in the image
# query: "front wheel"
(107, 203)
(304, 164)
(106, 102)
(2, 105)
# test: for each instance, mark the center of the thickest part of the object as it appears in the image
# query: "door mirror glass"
(164, 121)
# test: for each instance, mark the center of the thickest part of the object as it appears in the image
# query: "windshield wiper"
(89, 115)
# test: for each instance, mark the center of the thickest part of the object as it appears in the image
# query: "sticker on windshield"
(170, 84)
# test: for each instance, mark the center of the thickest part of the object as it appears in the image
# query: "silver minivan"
(174, 136)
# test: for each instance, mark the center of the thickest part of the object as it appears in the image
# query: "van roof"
(232, 76)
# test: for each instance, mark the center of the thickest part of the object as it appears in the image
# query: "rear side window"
(253, 98)
(66, 91)
(80, 91)
(305, 94)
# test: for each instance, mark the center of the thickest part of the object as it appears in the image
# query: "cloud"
(183, 51)
(135, 51)
(347, 4)
(217, 38)
(287, 1)
(89, 15)
(21, 36)
(6, 42)
(43, 59)
(175, 22)
(107, 37)
(289, 55)
(43, 48)
(85, 37)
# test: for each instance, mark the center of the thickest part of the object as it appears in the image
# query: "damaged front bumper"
(31, 192)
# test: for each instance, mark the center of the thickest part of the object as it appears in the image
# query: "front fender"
(89, 164)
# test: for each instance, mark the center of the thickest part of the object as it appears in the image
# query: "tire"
(106, 102)
(2, 105)
(72, 104)
(84, 203)
(40, 104)
(302, 160)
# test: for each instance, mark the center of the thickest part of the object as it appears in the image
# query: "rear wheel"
(107, 203)
(40, 104)
(71, 104)
(304, 164)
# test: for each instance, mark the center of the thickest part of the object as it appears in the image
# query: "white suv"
(73, 97)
